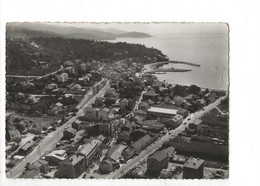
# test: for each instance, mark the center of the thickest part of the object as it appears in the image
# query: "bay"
(208, 50)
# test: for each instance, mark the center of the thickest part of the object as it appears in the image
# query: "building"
(40, 165)
(137, 146)
(151, 95)
(143, 105)
(51, 86)
(152, 125)
(103, 115)
(162, 112)
(123, 103)
(198, 123)
(99, 101)
(175, 121)
(141, 113)
(170, 151)
(137, 134)
(157, 162)
(107, 165)
(57, 108)
(55, 157)
(183, 112)
(76, 87)
(179, 100)
(69, 133)
(124, 136)
(79, 135)
(105, 128)
(110, 163)
(72, 167)
(33, 173)
(14, 135)
(62, 77)
(91, 113)
(89, 149)
(193, 168)
(26, 148)
(70, 70)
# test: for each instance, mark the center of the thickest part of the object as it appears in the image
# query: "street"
(152, 148)
(50, 141)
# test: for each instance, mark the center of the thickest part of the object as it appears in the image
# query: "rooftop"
(159, 155)
(116, 151)
(163, 110)
(193, 163)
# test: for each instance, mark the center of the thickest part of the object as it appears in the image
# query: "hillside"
(33, 30)
(134, 35)
(23, 56)
(16, 32)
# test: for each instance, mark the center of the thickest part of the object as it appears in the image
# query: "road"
(37, 77)
(157, 144)
(51, 140)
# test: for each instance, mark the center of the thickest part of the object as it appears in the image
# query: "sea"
(210, 51)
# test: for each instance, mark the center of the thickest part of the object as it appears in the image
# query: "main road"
(51, 140)
(157, 144)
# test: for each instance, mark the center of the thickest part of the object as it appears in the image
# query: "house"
(110, 163)
(79, 135)
(104, 115)
(55, 157)
(70, 70)
(151, 95)
(193, 168)
(43, 64)
(187, 105)
(123, 103)
(62, 77)
(30, 173)
(137, 146)
(91, 113)
(170, 151)
(124, 136)
(14, 135)
(77, 125)
(57, 107)
(69, 133)
(105, 128)
(72, 167)
(175, 121)
(179, 100)
(198, 124)
(141, 113)
(183, 112)
(137, 134)
(165, 173)
(76, 87)
(150, 102)
(26, 148)
(143, 105)
(157, 162)
(152, 125)
(107, 165)
(99, 101)
(115, 152)
(202, 102)
(40, 165)
(51, 86)
(68, 63)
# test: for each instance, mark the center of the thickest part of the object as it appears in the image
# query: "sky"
(158, 29)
